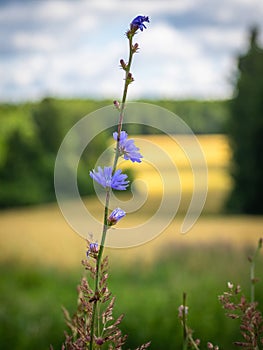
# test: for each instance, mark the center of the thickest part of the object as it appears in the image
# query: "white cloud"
(73, 48)
(34, 41)
(188, 68)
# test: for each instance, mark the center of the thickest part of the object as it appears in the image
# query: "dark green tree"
(49, 125)
(21, 176)
(245, 131)
(49, 129)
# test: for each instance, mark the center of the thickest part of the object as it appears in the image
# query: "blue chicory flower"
(137, 22)
(127, 147)
(106, 179)
(115, 216)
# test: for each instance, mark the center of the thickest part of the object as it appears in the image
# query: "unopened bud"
(115, 216)
(197, 342)
(129, 78)
(117, 104)
(182, 311)
(230, 285)
(135, 47)
(93, 250)
(99, 341)
(123, 64)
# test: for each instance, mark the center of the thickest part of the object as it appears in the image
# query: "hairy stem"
(107, 199)
(123, 101)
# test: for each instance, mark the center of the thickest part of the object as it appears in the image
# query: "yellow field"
(167, 164)
(41, 235)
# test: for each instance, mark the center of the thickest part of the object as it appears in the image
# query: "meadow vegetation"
(40, 269)
(40, 255)
(149, 295)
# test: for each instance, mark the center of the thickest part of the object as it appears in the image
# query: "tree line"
(31, 134)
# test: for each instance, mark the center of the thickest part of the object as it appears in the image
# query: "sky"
(72, 48)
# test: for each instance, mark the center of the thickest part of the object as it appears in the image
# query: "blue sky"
(72, 48)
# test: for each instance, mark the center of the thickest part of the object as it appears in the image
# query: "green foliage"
(30, 137)
(49, 125)
(22, 175)
(203, 117)
(148, 295)
(245, 130)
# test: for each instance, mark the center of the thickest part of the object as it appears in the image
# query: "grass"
(30, 310)
(147, 293)
(158, 289)
(40, 268)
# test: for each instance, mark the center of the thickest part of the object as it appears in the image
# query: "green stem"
(123, 101)
(193, 342)
(98, 262)
(126, 84)
(107, 199)
(184, 323)
(187, 336)
(252, 281)
(252, 271)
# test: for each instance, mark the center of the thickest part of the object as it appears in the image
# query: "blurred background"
(59, 61)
